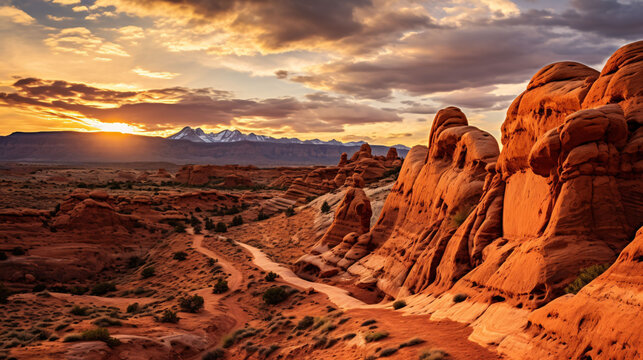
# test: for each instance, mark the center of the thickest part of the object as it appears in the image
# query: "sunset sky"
(346, 69)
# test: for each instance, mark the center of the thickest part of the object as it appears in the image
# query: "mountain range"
(105, 147)
(228, 136)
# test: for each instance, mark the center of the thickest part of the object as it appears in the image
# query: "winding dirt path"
(339, 297)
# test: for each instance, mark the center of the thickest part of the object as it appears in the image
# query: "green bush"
(275, 295)
(262, 216)
(72, 338)
(99, 334)
(180, 255)
(148, 272)
(459, 298)
(214, 355)
(461, 215)
(325, 207)
(369, 322)
(221, 227)
(107, 322)
(132, 308)
(388, 352)
(412, 342)
(305, 322)
(220, 286)
(399, 304)
(271, 276)
(290, 211)
(134, 262)
(209, 224)
(4, 294)
(237, 220)
(78, 290)
(585, 277)
(375, 336)
(169, 316)
(433, 355)
(191, 304)
(79, 310)
(103, 288)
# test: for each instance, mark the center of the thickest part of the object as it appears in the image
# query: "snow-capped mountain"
(198, 135)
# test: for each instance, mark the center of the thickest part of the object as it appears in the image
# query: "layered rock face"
(367, 167)
(601, 321)
(437, 188)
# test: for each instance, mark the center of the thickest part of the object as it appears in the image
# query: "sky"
(374, 70)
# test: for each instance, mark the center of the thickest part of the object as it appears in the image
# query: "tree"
(325, 207)
(191, 304)
(221, 227)
(220, 287)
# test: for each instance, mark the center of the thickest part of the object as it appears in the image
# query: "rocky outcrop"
(352, 218)
(319, 181)
(598, 322)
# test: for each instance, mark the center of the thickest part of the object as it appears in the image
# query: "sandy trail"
(339, 297)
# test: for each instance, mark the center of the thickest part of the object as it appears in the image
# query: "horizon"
(358, 70)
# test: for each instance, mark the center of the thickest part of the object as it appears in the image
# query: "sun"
(114, 127)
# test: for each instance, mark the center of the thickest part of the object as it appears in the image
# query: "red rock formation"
(234, 180)
(352, 218)
(602, 321)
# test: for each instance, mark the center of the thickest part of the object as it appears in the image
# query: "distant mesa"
(228, 136)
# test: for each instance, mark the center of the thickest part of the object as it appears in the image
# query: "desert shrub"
(134, 262)
(209, 224)
(132, 308)
(99, 334)
(375, 336)
(214, 355)
(197, 229)
(179, 228)
(107, 322)
(290, 211)
(388, 352)
(169, 316)
(220, 286)
(17, 251)
(271, 276)
(237, 220)
(194, 221)
(148, 272)
(78, 290)
(72, 338)
(221, 227)
(79, 310)
(103, 288)
(240, 334)
(275, 295)
(459, 298)
(585, 277)
(3, 255)
(262, 216)
(305, 322)
(39, 288)
(4, 294)
(191, 304)
(325, 207)
(412, 342)
(433, 355)
(461, 215)
(180, 255)
(369, 322)
(399, 304)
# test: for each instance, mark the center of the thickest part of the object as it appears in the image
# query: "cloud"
(66, 2)
(15, 15)
(351, 26)
(81, 41)
(58, 18)
(442, 60)
(159, 109)
(281, 74)
(608, 18)
(481, 98)
(155, 75)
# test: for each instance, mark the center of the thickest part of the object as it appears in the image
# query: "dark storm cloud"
(442, 60)
(158, 108)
